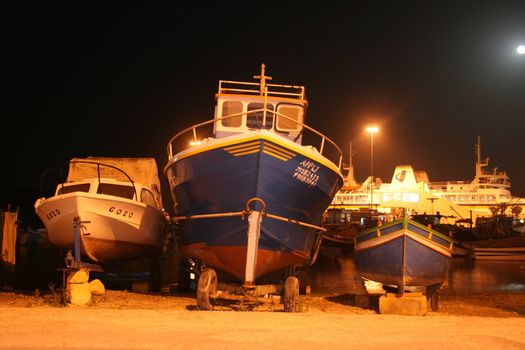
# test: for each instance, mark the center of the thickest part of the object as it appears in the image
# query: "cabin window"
(73, 188)
(255, 120)
(117, 190)
(147, 198)
(231, 108)
(294, 114)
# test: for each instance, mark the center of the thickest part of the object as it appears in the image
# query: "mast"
(478, 150)
(263, 79)
(480, 164)
(350, 179)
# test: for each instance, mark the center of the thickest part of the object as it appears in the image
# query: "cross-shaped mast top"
(263, 79)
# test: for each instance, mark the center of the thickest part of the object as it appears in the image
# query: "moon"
(521, 49)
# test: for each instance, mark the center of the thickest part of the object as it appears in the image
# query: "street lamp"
(372, 130)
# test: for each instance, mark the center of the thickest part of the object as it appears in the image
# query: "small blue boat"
(248, 195)
(403, 253)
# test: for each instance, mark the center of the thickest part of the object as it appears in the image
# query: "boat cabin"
(246, 106)
(110, 187)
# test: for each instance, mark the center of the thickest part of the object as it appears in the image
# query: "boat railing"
(445, 183)
(326, 147)
(406, 224)
(429, 233)
(63, 180)
(493, 172)
(277, 90)
(135, 195)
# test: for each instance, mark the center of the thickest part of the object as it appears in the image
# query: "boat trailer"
(248, 294)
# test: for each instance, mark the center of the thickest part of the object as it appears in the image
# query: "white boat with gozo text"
(117, 204)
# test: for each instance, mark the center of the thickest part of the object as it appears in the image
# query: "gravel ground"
(126, 320)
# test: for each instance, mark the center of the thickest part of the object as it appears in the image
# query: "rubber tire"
(206, 289)
(291, 294)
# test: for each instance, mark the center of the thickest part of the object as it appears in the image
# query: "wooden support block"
(79, 293)
(96, 287)
(79, 276)
(411, 304)
(140, 287)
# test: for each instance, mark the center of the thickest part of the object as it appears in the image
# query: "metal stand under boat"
(209, 289)
(254, 233)
(75, 276)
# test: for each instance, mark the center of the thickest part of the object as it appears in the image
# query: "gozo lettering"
(53, 214)
(121, 212)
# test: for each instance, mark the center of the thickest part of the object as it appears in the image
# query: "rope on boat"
(206, 216)
(247, 212)
(297, 222)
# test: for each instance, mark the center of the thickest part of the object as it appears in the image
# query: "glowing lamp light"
(521, 49)
(195, 143)
(372, 129)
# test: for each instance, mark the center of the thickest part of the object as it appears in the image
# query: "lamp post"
(372, 130)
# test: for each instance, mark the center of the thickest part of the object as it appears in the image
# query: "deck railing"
(326, 147)
(248, 88)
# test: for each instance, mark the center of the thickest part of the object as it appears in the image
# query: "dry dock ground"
(126, 320)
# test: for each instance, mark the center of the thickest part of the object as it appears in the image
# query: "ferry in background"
(487, 195)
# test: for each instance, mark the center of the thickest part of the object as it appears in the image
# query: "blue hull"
(404, 254)
(221, 179)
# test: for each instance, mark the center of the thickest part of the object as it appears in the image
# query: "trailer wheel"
(206, 289)
(291, 294)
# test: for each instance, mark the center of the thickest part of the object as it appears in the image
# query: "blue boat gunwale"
(240, 141)
(405, 225)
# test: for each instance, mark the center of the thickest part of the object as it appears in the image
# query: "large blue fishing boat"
(248, 195)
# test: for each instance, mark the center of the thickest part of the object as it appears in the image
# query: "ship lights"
(405, 197)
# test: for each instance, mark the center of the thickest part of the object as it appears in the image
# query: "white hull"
(112, 229)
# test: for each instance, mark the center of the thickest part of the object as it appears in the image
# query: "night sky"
(119, 79)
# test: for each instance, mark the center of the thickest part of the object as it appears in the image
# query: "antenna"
(478, 149)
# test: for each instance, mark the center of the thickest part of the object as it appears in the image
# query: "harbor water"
(334, 273)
